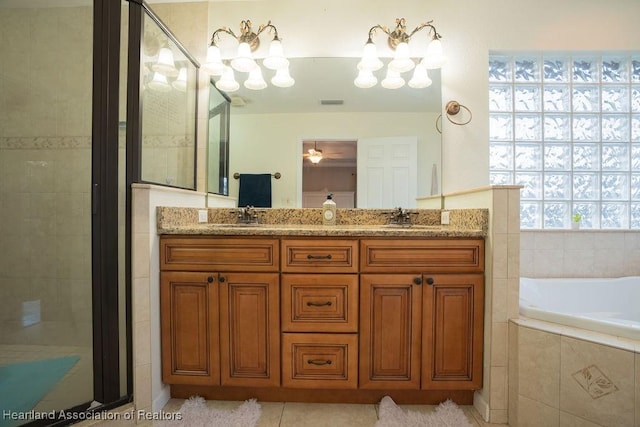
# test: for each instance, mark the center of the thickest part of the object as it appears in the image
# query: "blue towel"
(255, 190)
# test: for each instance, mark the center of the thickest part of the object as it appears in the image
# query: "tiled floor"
(276, 414)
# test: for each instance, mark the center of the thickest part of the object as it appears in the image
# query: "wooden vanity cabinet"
(319, 313)
(220, 311)
(422, 310)
(331, 319)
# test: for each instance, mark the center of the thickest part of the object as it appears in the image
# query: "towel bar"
(276, 175)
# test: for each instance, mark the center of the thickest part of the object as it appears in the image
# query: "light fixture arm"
(246, 34)
(399, 33)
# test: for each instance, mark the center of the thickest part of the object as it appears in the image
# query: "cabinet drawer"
(319, 255)
(421, 255)
(195, 253)
(320, 361)
(319, 302)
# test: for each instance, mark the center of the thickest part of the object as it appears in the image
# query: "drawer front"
(446, 256)
(320, 361)
(319, 302)
(319, 255)
(213, 254)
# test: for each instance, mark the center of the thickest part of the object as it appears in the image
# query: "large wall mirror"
(270, 129)
(218, 142)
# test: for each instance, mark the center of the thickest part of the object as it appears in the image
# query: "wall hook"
(452, 108)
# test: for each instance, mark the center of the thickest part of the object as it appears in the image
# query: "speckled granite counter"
(464, 223)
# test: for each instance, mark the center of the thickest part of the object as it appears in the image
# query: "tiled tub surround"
(561, 375)
(564, 376)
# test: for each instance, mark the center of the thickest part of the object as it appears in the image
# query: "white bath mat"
(196, 413)
(447, 414)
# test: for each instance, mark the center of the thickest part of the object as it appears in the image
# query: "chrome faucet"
(400, 216)
(247, 215)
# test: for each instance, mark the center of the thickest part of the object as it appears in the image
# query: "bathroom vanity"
(349, 313)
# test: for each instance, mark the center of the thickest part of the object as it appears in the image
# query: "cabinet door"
(452, 331)
(250, 329)
(189, 328)
(390, 313)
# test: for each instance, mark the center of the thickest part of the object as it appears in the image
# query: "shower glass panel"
(218, 142)
(45, 216)
(168, 98)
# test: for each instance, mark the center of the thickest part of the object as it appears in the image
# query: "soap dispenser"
(329, 211)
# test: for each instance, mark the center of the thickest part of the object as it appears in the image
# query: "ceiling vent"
(331, 101)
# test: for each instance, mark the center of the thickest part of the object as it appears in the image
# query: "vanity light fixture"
(243, 61)
(398, 40)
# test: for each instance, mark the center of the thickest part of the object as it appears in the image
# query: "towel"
(255, 190)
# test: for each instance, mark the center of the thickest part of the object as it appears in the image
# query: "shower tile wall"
(45, 127)
(579, 253)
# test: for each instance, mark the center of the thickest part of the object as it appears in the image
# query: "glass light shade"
(420, 78)
(159, 83)
(243, 61)
(276, 59)
(315, 156)
(370, 60)
(434, 58)
(401, 60)
(165, 64)
(180, 83)
(213, 64)
(392, 80)
(365, 79)
(255, 80)
(282, 78)
(228, 81)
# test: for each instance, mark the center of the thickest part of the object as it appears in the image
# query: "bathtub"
(610, 306)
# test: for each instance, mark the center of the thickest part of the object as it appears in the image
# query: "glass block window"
(567, 128)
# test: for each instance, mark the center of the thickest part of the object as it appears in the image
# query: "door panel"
(390, 331)
(387, 172)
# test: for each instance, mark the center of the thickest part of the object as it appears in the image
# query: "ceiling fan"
(315, 155)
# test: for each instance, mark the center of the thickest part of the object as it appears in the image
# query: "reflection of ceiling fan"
(315, 154)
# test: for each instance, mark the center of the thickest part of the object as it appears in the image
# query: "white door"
(387, 172)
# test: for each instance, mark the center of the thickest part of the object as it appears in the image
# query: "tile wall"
(561, 376)
(502, 258)
(582, 253)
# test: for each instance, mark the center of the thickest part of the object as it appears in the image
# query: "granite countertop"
(465, 223)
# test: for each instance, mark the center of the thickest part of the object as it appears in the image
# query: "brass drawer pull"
(319, 362)
(319, 256)
(318, 304)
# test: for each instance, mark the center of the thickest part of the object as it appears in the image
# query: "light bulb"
(165, 64)
(227, 82)
(420, 78)
(213, 64)
(370, 60)
(180, 83)
(392, 80)
(255, 80)
(434, 58)
(243, 61)
(276, 59)
(159, 83)
(365, 79)
(282, 78)
(401, 61)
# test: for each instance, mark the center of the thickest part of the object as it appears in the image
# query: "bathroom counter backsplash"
(308, 222)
